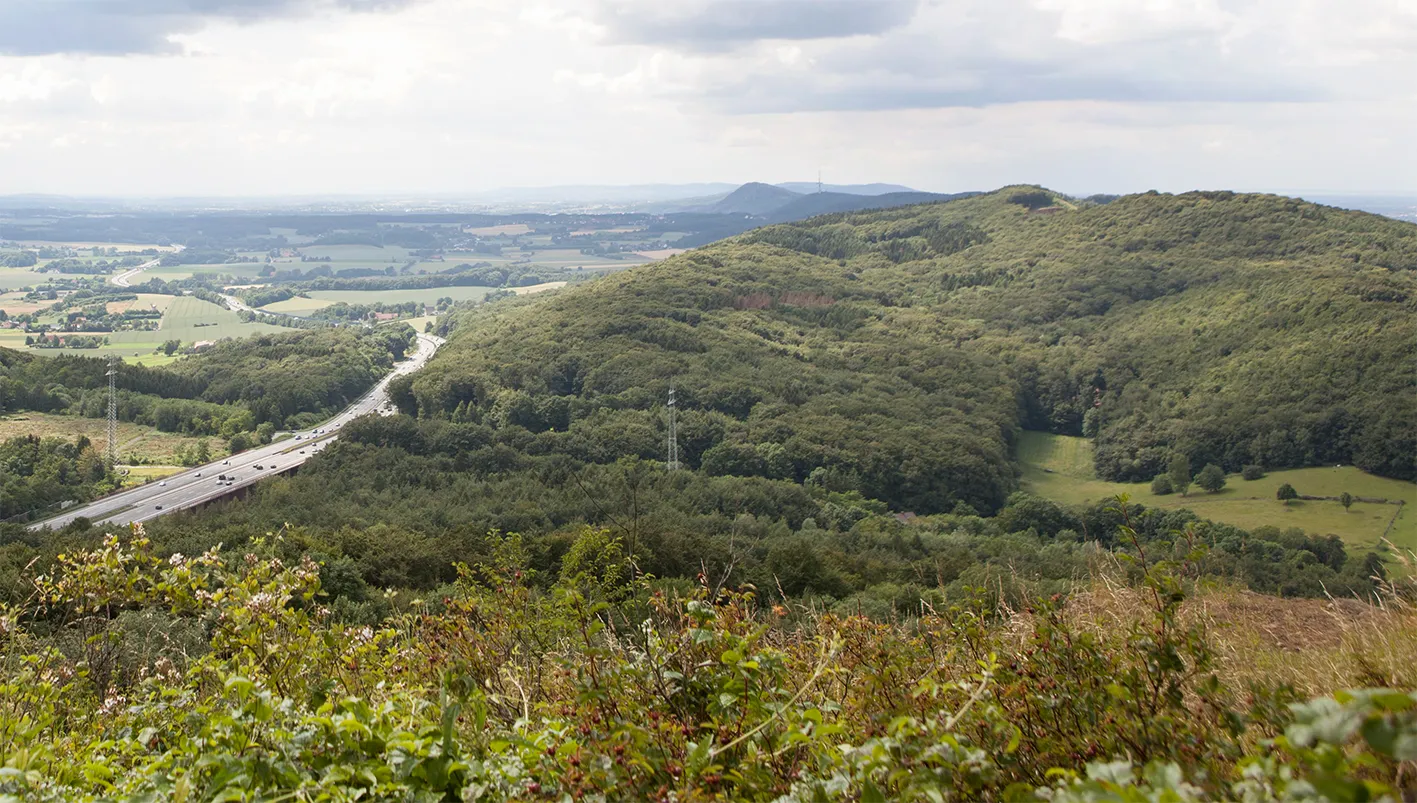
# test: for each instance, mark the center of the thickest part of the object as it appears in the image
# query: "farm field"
(191, 319)
(1059, 467)
(144, 301)
(507, 229)
(319, 299)
(187, 319)
(136, 443)
(14, 278)
(13, 303)
(241, 270)
(121, 247)
(548, 257)
(384, 255)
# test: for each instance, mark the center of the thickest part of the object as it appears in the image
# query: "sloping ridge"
(826, 203)
(810, 187)
(754, 198)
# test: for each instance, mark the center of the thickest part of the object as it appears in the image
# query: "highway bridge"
(198, 486)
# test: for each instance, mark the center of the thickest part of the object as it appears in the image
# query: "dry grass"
(15, 304)
(135, 441)
(1315, 645)
(537, 288)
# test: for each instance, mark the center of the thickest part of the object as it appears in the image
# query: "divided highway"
(198, 485)
(125, 279)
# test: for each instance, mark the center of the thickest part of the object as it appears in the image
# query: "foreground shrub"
(612, 687)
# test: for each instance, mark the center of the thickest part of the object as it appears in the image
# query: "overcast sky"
(272, 97)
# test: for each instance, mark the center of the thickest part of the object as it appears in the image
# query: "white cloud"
(463, 95)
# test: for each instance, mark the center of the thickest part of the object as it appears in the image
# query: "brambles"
(230, 674)
(1286, 493)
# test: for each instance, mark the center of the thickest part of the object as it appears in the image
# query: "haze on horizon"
(299, 97)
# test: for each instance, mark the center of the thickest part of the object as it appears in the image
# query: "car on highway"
(162, 484)
(159, 507)
(199, 473)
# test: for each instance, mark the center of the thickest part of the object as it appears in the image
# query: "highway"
(126, 278)
(201, 484)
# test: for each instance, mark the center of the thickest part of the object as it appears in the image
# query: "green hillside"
(898, 353)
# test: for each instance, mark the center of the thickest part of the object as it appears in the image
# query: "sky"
(150, 98)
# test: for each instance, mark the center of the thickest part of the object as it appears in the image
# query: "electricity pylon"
(672, 463)
(112, 451)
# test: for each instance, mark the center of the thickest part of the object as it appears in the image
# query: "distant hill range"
(781, 204)
(756, 204)
(754, 198)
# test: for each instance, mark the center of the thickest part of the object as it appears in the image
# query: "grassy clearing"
(1060, 468)
(537, 288)
(419, 323)
(136, 443)
(1316, 645)
(154, 360)
(138, 475)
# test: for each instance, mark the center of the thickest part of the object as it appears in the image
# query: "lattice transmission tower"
(672, 458)
(111, 453)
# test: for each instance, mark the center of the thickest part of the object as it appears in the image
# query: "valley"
(924, 438)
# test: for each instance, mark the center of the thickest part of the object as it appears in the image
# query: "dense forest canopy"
(896, 353)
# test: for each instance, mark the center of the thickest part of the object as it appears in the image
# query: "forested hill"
(897, 353)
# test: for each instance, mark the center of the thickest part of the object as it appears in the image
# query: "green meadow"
(1059, 467)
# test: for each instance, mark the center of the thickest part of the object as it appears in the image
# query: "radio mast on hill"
(672, 461)
(112, 451)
